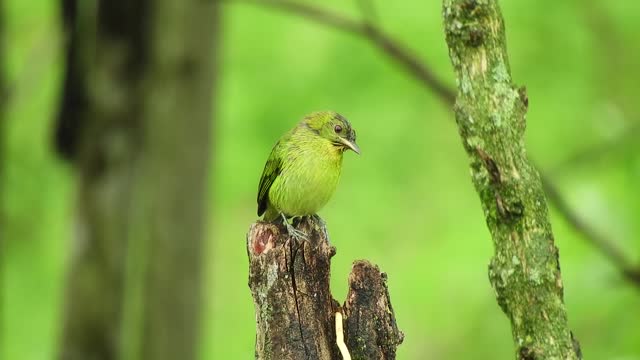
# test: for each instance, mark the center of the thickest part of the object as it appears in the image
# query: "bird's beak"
(351, 145)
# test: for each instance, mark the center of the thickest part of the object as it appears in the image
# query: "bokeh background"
(407, 204)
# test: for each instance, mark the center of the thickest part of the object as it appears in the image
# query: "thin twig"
(628, 137)
(602, 243)
(316, 14)
(385, 43)
(416, 67)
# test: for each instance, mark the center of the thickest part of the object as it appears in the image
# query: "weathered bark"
(490, 113)
(371, 329)
(289, 281)
(135, 119)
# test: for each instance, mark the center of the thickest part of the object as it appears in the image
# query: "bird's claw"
(317, 218)
(295, 233)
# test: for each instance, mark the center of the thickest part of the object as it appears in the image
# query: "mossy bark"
(136, 122)
(295, 311)
(490, 112)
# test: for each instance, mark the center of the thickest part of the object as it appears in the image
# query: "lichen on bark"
(491, 116)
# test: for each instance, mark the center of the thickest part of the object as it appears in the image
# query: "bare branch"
(385, 43)
(628, 137)
(310, 12)
(605, 245)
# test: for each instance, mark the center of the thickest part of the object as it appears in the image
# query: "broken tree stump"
(369, 316)
(295, 311)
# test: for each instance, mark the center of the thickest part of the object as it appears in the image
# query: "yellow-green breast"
(308, 177)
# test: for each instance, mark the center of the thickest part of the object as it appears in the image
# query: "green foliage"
(406, 204)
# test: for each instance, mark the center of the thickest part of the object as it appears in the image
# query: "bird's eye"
(337, 128)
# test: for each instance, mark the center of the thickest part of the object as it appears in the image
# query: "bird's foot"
(317, 218)
(292, 231)
(295, 233)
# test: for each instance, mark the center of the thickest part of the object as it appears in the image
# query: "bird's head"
(333, 127)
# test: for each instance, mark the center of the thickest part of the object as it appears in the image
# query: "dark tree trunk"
(295, 312)
(136, 122)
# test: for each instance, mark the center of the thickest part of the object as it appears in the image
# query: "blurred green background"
(407, 204)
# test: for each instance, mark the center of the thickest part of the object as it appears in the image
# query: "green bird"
(303, 169)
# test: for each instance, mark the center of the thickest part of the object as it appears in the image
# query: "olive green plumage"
(303, 170)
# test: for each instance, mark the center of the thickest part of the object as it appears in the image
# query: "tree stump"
(295, 311)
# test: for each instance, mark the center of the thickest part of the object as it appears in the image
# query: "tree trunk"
(136, 121)
(490, 113)
(295, 312)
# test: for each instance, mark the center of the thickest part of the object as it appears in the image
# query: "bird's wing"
(271, 171)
